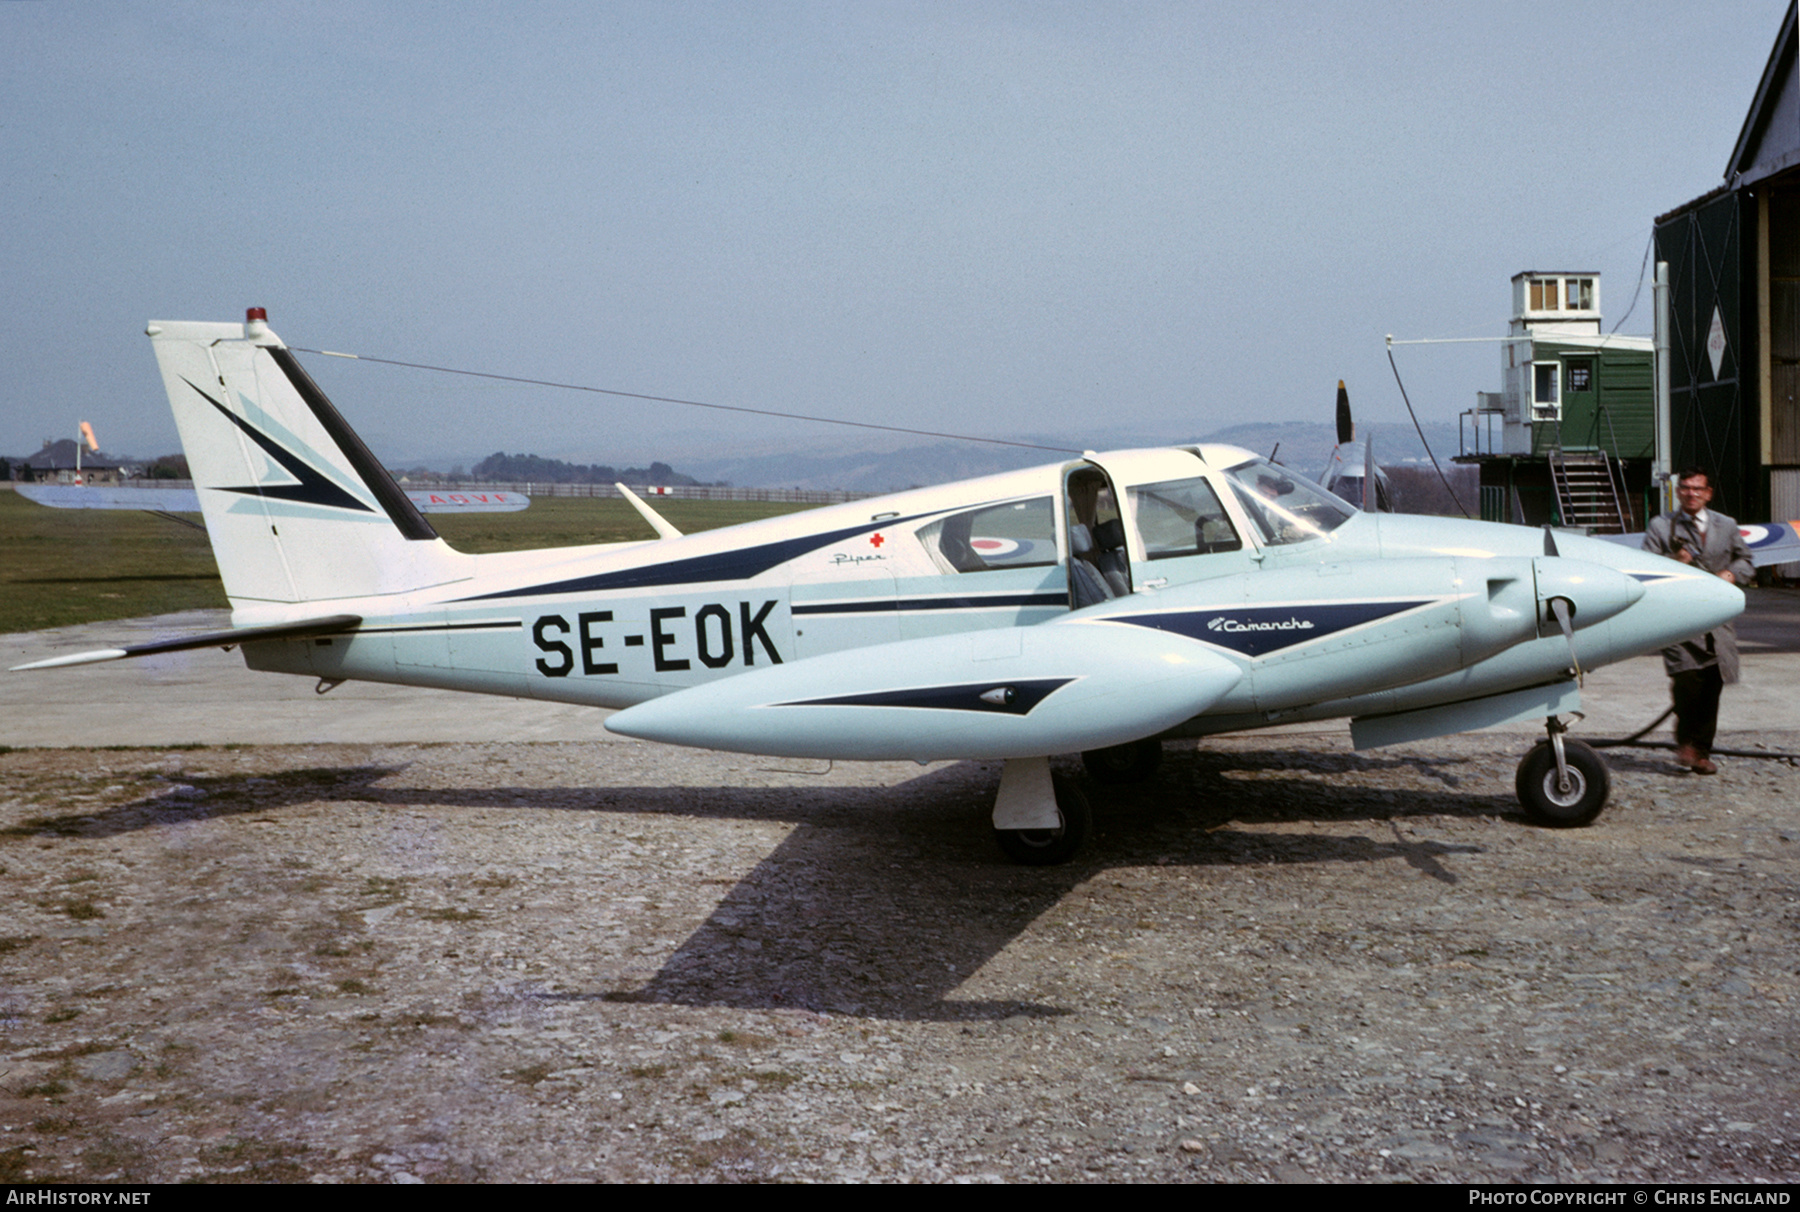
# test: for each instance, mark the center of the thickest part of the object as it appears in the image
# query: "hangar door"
(1703, 246)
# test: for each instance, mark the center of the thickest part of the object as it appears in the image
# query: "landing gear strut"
(1040, 819)
(1563, 784)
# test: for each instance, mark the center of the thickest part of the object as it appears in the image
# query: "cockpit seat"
(1087, 587)
(1110, 558)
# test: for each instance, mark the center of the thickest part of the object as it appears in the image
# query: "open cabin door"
(1099, 561)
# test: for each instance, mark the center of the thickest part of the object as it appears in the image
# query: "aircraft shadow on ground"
(885, 900)
(202, 798)
(895, 931)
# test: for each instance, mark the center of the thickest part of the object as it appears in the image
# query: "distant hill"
(499, 468)
(1304, 446)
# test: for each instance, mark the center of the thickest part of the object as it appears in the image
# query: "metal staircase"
(1590, 492)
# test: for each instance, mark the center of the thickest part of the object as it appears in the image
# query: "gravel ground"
(1280, 960)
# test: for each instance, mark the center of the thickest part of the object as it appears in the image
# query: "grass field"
(59, 567)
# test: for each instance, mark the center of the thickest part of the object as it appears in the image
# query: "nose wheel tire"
(1549, 800)
(1050, 847)
(1129, 763)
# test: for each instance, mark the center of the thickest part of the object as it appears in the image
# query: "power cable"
(1421, 431)
(1642, 266)
(1633, 742)
(633, 395)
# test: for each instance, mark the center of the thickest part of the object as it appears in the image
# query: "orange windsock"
(87, 433)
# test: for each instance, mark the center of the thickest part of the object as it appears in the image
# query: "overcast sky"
(981, 217)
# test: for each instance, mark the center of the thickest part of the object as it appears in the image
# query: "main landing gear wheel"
(1560, 803)
(1049, 847)
(1129, 763)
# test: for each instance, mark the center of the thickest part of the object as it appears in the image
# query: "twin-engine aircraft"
(1100, 605)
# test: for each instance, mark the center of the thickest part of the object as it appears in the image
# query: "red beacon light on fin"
(256, 322)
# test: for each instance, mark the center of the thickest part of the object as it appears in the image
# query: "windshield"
(1284, 507)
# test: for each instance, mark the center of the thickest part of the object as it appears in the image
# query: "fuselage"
(1328, 612)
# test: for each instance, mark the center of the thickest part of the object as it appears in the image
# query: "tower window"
(1546, 379)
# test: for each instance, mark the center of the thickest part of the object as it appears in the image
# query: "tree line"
(500, 467)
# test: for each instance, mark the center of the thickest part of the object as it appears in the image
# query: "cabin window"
(1544, 293)
(1579, 294)
(1580, 376)
(1017, 534)
(1182, 518)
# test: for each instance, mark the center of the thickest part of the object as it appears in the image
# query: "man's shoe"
(1689, 757)
(1704, 766)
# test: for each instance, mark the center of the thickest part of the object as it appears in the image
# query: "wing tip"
(93, 657)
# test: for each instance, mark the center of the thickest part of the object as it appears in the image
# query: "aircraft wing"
(186, 500)
(467, 501)
(1772, 542)
(1769, 542)
(107, 496)
(1010, 692)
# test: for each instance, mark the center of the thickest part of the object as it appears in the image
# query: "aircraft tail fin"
(297, 507)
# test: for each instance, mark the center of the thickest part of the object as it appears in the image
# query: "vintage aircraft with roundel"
(1099, 605)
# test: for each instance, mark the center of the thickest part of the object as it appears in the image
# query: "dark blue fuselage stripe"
(1258, 630)
(987, 602)
(738, 565)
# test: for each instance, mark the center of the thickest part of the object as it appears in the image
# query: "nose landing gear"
(1562, 783)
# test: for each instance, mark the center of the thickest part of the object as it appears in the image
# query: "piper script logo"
(1223, 623)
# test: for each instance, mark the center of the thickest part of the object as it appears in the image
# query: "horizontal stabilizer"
(1013, 692)
(335, 624)
(106, 496)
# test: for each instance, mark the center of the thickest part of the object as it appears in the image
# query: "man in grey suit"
(1699, 668)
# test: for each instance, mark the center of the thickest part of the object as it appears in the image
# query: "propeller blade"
(1549, 541)
(1346, 430)
(1560, 608)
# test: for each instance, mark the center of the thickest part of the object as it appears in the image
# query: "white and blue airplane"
(1100, 605)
